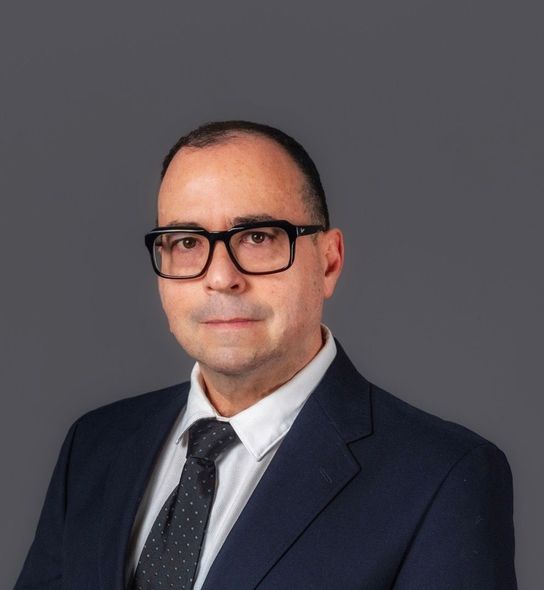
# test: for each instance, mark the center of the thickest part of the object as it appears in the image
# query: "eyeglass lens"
(185, 254)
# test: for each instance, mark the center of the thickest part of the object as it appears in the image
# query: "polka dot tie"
(170, 555)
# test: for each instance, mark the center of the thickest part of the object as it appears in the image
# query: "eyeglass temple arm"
(303, 230)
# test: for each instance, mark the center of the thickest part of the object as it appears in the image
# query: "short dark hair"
(220, 131)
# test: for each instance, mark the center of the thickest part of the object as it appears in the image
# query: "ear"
(333, 259)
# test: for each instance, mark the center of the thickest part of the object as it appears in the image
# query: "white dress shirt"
(260, 429)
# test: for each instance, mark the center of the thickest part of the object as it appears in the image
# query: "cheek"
(174, 303)
(299, 304)
(165, 295)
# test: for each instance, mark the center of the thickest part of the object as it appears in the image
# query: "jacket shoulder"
(418, 432)
(127, 413)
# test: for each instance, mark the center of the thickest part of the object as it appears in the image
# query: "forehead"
(245, 176)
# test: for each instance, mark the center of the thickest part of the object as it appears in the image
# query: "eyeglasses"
(261, 248)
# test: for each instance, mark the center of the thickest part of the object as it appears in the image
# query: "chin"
(230, 361)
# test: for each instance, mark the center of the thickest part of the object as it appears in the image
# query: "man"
(278, 466)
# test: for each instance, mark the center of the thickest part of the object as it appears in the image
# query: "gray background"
(426, 121)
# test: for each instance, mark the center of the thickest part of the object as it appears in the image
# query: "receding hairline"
(215, 133)
(231, 135)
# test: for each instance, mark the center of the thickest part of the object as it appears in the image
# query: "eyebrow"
(177, 222)
(253, 219)
(242, 220)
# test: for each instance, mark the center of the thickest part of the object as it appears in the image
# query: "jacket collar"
(309, 469)
(128, 475)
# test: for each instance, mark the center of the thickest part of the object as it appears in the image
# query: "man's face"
(234, 323)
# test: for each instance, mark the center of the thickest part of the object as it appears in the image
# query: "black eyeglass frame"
(293, 232)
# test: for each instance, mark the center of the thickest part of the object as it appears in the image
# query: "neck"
(231, 394)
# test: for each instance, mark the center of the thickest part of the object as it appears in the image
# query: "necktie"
(170, 555)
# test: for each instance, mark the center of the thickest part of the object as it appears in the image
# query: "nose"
(222, 275)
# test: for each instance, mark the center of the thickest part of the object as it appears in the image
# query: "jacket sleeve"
(466, 538)
(43, 566)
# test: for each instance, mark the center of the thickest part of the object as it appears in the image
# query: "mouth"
(230, 322)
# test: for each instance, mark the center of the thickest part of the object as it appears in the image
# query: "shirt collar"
(266, 422)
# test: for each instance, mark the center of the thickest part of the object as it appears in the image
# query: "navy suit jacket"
(365, 492)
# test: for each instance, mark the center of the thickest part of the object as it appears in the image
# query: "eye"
(186, 243)
(257, 237)
(264, 237)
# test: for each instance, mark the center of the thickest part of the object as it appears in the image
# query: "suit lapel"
(126, 485)
(311, 466)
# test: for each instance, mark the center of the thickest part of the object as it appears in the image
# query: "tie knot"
(209, 438)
